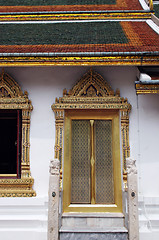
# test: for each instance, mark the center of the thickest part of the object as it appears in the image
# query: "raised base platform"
(109, 226)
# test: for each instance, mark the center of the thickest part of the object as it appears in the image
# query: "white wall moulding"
(23, 218)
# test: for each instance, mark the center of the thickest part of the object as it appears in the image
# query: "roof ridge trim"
(72, 21)
(53, 54)
(153, 26)
(144, 5)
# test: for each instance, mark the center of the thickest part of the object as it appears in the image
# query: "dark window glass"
(10, 142)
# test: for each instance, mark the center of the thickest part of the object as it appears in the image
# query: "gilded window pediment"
(8, 87)
(11, 95)
(91, 84)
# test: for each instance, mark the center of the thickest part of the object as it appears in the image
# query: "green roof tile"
(78, 37)
(54, 2)
(62, 33)
(156, 9)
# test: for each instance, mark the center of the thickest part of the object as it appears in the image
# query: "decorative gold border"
(67, 16)
(59, 124)
(79, 98)
(12, 97)
(147, 88)
(79, 61)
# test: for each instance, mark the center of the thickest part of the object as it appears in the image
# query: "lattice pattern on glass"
(80, 189)
(104, 162)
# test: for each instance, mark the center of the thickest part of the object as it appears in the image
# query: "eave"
(126, 60)
(151, 87)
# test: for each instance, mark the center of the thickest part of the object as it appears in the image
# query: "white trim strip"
(72, 21)
(153, 26)
(144, 5)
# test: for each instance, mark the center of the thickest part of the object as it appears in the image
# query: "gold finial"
(117, 92)
(151, 5)
(64, 92)
(91, 71)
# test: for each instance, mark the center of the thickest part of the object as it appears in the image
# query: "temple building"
(79, 110)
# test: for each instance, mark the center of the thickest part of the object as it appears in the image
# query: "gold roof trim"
(74, 16)
(78, 61)
(147, 88)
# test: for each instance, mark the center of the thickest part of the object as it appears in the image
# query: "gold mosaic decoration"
(12, 97)
(92, 92)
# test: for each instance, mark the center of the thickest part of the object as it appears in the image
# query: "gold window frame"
(90, 94)
(12, 97)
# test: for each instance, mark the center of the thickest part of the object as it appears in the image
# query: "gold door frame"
(112, 115)
(91, 92)
(12, 97)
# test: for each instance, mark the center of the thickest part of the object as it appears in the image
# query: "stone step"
(108, 226)
(98, 221)
(94, 235)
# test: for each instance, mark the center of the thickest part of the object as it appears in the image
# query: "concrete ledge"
(94, 230)
(94, 215)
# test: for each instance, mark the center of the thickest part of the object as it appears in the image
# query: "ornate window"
(15, 108)
(10, 142)
(90, 117)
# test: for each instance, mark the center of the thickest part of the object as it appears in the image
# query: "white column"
(133, 222)
(53, 208)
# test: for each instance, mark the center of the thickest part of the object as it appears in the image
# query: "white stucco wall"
(149, 143)
(43, 85)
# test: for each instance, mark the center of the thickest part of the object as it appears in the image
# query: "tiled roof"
(78, 37)
(54, 2)
(67, 5)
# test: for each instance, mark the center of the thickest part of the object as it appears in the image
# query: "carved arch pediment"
(11, 95)
(92, 84)
(91, 92)
(8, 87)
